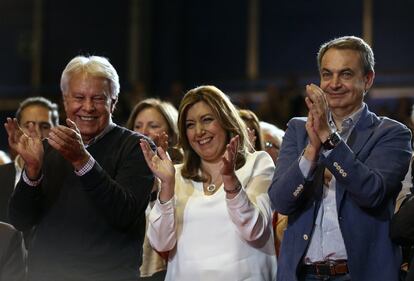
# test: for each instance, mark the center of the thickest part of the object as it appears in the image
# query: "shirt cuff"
(326, 152)
(86, 168)
(165, 207)
(30, 182)
(306, 166)
(239, 200)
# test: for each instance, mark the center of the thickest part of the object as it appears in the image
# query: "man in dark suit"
(43, 115)
(338, 174)
(12, 254)
(402, 232)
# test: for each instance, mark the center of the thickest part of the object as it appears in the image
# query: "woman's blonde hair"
(252, 122)
(170, 114)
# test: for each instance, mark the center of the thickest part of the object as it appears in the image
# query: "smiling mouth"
(204, 141)
(87, 118)
(336, 94)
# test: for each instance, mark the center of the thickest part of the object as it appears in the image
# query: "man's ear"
(369, 80)
(113, 104)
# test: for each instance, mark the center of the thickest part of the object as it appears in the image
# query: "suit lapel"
(362, 131)
(360, 134)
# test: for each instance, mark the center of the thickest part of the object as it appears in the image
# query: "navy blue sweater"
(90, 227)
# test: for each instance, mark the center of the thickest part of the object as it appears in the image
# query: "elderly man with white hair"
(86, 188)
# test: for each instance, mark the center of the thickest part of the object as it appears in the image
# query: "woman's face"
(205, 133)
(150, 122)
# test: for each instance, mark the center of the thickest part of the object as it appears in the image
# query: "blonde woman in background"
(158, 120)
(253, 128)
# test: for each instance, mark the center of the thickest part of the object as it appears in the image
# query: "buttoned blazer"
(368, 171)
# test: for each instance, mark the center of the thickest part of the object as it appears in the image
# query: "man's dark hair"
(40, 101)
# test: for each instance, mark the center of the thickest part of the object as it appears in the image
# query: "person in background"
(12, 254)
(212, 213)
(43, 115)
(157, 120)
(40, 112)
(337, 176)
(407, 184)
(402, 224)
(402, 232)
(272, 138)
(253, 128)
(86, 187)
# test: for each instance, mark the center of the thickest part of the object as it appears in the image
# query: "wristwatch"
(332, 141)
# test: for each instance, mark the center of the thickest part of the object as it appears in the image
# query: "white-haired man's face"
(88, 103)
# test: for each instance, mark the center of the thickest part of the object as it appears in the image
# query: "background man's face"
(39, 116)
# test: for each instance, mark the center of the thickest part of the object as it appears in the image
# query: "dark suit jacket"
(12, 254)
(7, 178)
(368, 178)
(402, 230)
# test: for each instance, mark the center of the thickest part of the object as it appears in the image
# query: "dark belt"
(328, 268)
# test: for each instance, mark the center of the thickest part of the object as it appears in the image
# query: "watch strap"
(332, 141)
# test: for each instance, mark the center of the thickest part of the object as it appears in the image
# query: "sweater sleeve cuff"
(86, 168)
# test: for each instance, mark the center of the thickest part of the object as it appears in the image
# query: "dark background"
(186, 43)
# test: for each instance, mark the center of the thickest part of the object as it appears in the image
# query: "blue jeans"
(312, 277)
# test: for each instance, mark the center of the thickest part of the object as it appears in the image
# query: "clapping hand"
(29, 146)
(228, 169)
(318, 110)
(229, 157)
(160, 164)
(68, 141)
(161, 140)
(317, 125)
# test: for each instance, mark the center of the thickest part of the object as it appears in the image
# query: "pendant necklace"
(211, 187)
